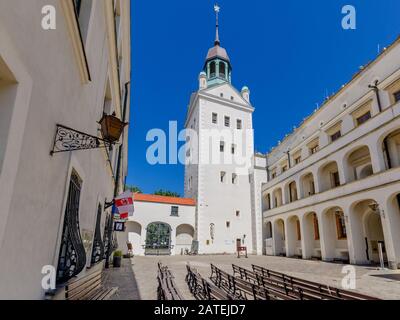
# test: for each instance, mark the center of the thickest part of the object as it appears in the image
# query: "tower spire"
(217, 8)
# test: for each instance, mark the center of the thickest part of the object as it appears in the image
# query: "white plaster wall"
(149, 212)
(37, 183)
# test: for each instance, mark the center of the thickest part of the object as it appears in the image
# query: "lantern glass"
(111, 128)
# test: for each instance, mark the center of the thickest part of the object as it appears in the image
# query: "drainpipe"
(288, 157)
(378, 99)
(376, 90)
(117, 178)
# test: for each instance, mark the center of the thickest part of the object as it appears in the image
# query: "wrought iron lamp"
(68, 139)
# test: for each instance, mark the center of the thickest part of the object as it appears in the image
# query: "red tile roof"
(163, 199)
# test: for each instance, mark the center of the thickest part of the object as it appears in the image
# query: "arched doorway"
(367, 232)
(184, 238)
(334, 232)
(134, 230)
(268, 239)
(279, 237)
(293, 237)
(329, 176)
(158, 239)
(311, 236)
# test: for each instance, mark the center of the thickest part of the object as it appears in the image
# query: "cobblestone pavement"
(142, 283)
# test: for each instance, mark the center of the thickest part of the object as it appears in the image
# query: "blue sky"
(289, 53)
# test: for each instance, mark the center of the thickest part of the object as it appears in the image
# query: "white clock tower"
(219, 170)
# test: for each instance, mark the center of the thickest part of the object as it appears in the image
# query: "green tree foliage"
(134, 189)
(167, 193)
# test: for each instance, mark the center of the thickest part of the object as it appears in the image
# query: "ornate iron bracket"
(67, 139)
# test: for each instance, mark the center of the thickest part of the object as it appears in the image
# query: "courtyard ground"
(137, 277)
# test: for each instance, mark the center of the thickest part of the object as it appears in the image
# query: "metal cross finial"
(217, 9)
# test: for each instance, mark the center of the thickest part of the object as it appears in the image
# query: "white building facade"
(333, 191)
(66, 76)
(220, 134)
(160, 226)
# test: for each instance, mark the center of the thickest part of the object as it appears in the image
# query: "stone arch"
(366, 231)
(279, 237)
(389, 144)
(134, 235)
(328, 176)
(357, 163)
(293, 237)
(277, 197)
(184, 238)
(311, 234)
(333, 229)
(307, 185)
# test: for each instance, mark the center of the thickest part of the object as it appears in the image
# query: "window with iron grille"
(174, 211)
(72, 255)
(341, 226)
(239, 124)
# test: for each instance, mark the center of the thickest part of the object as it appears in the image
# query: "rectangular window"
(214, 118)
(341, 226)
(233, 148)
(234, 178)
(336, 136)
(222, 146)
(174, 211)
(227, 121)
(364, 118)
(297, 160)
(273, 174)
(314, 149)
(284, 168)
(239, 124)
(228, 224)
(222, 176)
(237, 213)
(397, 96)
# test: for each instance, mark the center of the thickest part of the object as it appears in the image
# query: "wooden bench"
(167, 289)
(310, 287)
(89, 287)
(202, 289)
(240, 288)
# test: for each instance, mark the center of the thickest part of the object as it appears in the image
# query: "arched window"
(222, 71)
(212, 69)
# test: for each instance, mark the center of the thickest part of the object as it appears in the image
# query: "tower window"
(227, 121)
(214, 118)
(234, 178)
(222, 72)
(237, 213)
(222, 146)
(222, 176)
(228, 224)
(212, 69)
(233, 149)
(239, 124)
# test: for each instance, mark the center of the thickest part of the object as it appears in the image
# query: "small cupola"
(217, 67)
